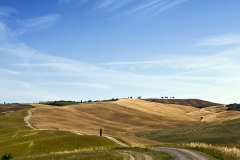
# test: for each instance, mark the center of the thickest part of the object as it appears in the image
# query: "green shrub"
(7, 156)
(233, 106)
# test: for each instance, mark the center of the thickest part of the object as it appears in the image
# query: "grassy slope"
(20, 140)
(226, 132)
(220, 140)
(114, 154)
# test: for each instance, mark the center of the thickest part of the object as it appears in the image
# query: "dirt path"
(179, 154)
(182, 154)
(117, 141)
(136, 156)
(27, 118)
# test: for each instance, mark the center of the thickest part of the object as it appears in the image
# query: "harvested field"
(6, 108)
(124, 118)
(185, 102)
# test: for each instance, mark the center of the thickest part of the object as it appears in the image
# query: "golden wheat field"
(125, 117)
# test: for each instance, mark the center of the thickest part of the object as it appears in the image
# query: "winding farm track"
(179, 154)
(136, 156)
(126, 117)
(26, 120)
(182, 154)
(116, 141)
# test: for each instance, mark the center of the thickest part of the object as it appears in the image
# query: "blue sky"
(102, 49)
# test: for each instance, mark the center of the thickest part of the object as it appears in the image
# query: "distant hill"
(5, 108)
(186, 102)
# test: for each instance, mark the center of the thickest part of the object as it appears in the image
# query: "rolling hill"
(187, 102)
(126, 117)
(18, 139)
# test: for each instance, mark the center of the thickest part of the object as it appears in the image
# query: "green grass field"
(226, 133)
(20, 140)
(220, 140)
(114, 154)
(28, 144)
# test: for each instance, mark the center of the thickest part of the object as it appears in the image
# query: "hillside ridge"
(187, 102)
(125, 117)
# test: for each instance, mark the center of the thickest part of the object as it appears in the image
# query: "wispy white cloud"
(33, 68)
(6, 11)
(30, 58)
(220, 61)
(22, 92)
(25, 26)
(176, 75)
(66, 1)
(92, 85)
(63, 1)
(3, 31)
(9, 71)
(168, 6)
(36, 74)
(144, 6)
(133, 10)
(106, 3)
(64, 66)
(36, 24)
(144, 9)
(120, 4)
(117, 4)
(220, 40)
(23, 84)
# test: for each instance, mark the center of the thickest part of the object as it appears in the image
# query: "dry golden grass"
(124, 118)
(216, 114)
(230, 151)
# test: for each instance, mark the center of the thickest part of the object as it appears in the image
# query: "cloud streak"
(36, 24)
(63, 1)
(228, 39)
(189, 75)
(91, 85)
(144, 9)
(220, 61)
(24, 26)
(113, 4)
(168, 6)
(6, 11)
